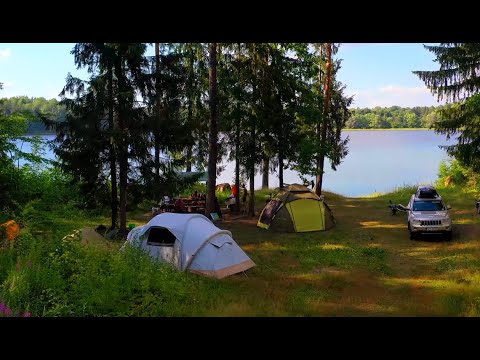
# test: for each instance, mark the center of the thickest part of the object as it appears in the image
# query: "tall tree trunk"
(123, 147)
(189, 159)
(190, 106)
(237, 165)
(280, 165)
(251, 203)
(157, 125)
(237, 151)
(265, 171)
(113, 158)
(321, 157)
(213, 136)
(123, 159)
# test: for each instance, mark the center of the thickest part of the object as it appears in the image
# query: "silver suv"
(427, 213)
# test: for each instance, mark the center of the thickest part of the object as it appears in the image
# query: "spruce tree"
(458, 82)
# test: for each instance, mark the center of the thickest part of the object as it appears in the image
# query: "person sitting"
(179, 206)
(244, 199)
(218, 210)
(234, 190)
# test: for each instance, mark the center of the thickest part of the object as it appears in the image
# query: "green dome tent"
(296, 209)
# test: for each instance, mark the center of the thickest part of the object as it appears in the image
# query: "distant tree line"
(393, 117)
(361, 118)
(33, 107)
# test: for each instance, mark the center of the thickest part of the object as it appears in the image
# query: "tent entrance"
(159, 236)
(306, 214)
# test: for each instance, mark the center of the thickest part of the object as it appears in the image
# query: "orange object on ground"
(13, 229)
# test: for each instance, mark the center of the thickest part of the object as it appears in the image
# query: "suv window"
(435, 205)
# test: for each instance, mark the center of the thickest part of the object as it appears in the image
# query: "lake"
(378, 161)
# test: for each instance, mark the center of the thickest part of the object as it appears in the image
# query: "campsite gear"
(298, 209)
(396, 207)
(426, 192)
(191, 242)
(12, 229)
(392, 207)
(131, 226)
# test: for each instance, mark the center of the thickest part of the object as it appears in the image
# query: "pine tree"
(213, 135)
(458, 82)
(322, 114)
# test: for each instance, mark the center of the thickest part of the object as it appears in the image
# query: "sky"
(376, 74)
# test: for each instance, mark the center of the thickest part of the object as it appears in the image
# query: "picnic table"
(193, 205)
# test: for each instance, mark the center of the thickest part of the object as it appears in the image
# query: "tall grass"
(63, 277)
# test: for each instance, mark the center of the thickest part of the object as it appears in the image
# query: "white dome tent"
(191, 242)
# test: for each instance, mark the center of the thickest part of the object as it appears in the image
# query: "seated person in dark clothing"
(218, 210)
(245, 193)
(179, 206)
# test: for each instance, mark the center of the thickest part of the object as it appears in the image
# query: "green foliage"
(33, 107)
(63, 277)
(12, 138)
(453, 173)
(320, 132)
(457, 80)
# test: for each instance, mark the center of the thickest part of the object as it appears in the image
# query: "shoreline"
(346, 129)
(387, 129)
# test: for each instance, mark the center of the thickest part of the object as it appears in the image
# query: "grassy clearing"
(365, 266)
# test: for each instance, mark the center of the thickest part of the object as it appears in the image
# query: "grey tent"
(191, 242)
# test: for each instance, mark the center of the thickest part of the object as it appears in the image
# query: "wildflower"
(7, 310)
(18, 267)
(29, 264)
(2, 307)
(27, 314)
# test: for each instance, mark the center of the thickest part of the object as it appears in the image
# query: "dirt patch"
(330, 271)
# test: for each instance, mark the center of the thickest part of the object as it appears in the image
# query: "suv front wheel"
(448, 236)
(413, 235)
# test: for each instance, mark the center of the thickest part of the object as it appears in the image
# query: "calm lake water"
(378, 161)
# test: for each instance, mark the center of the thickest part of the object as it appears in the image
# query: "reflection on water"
(377, 161)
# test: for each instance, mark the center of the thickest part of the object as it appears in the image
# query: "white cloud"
(5, 53)
(391, 95)
(7, 84)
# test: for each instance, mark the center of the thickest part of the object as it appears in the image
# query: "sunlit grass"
(328, 246)
(377, 224)
(365, 266)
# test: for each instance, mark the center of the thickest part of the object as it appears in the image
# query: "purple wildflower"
(7, 310)
(2, 307)
(29, 263)
(18, 267)
(27, 314)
